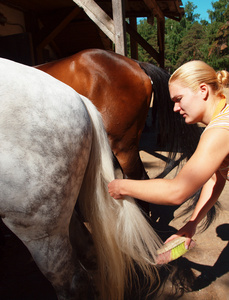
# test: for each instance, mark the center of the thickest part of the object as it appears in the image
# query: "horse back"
(116, 85)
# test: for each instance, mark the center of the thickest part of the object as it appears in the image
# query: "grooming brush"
(173, 250)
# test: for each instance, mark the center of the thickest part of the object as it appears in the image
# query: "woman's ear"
(204, 90)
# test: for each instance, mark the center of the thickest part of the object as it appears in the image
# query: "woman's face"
(186, 102)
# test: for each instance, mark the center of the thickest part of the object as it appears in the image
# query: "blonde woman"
(198, 95)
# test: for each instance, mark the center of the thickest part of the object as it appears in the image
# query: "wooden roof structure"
(69, 26)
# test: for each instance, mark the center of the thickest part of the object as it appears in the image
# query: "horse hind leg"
(82, 242)
(130, 162)
(68, 260)
(55, 258)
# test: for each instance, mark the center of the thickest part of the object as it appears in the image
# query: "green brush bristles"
(173, 250)
(178, 251)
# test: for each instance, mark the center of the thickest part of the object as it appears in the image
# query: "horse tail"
(122, 236)
(174, 133)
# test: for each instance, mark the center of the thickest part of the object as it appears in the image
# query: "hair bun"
(223, 78)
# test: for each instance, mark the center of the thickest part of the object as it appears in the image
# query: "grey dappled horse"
(54, 150)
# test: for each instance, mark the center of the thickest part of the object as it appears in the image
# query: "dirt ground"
(208, 261)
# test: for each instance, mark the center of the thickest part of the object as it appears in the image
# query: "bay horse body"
(54, 150)
(122, 90)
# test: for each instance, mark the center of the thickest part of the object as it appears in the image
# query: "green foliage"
(192, 39)
(149, 33)
(192, 45)
(217, 15)
(189, 12)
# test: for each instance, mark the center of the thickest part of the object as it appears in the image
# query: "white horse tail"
(121, 234)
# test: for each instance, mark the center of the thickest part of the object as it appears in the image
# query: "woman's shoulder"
(221, 120)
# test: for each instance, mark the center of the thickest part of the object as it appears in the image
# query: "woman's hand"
(114, 189)
(188, 230)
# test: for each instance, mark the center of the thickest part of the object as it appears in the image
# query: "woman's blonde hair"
(193, 73)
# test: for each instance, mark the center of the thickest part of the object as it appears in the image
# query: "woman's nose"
(176, 107)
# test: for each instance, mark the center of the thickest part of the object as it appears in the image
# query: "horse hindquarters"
(44, 152)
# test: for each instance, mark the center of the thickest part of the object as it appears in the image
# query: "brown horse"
(122, 89)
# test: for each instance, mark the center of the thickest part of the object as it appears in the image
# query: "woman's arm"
(208, 197)
(211, 151)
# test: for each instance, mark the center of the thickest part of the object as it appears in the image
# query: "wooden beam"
(161, 41)
(174, 16)
(59, 28)
(143, 43)
(118, 8)
(98, 16)
(133, 43)
(49, 38)
(180, 9)
(107, 43)
(154, 8)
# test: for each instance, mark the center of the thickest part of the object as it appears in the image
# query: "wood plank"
(133, 43)
(161, 41)
(154, 8)
(59, 28)
(98, 16)
(118, 8)
(54, 33)
(143, 43)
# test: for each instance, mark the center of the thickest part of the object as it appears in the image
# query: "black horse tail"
(175, 135)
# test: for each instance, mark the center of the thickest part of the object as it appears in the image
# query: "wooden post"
(157, 12)
(133, 43)
(113, 28)
(118, 8)
(161, 40)
(143, 42)
(98, 16)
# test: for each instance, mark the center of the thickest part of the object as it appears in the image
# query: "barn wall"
(13, 16)
(15, 43)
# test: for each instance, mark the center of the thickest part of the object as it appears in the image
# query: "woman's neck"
(215, 105)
